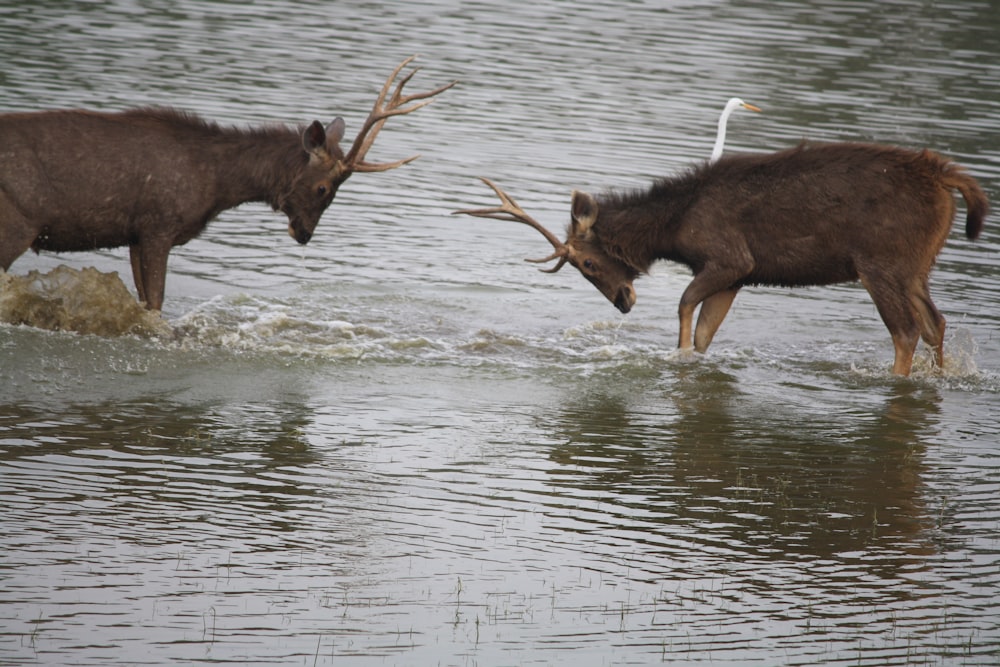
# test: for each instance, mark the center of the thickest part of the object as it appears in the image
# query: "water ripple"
(401, 444)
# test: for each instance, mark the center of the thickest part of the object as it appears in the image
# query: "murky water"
(402, 445)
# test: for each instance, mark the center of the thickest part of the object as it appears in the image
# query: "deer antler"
(381, 112)
(509, 210)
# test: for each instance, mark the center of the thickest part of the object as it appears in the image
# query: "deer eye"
(321, 190)
(588, 264)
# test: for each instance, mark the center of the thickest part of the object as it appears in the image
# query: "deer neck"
(257, 166)
(632, 235)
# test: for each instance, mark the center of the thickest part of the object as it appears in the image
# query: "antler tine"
(563, 258)
(381, 112)
(509, 210)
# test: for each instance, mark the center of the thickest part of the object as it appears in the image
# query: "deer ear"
(335, 131)
(314, 139)
(584, 212)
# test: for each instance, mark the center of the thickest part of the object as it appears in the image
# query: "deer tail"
(976, 203)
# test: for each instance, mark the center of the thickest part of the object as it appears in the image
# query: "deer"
(153, 178)
(813, 214)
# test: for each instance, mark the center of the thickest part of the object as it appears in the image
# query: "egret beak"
(750, 107)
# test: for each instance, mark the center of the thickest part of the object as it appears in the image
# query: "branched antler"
(381, 112)
(509, 210)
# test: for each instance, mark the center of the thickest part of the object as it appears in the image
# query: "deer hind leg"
(932, 323)
(713, 311)
(895, 306)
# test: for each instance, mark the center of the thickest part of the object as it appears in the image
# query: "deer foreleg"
(713, 311)
(136, 260)
(16, 232)
(714, 289)
(686, 315)
(152, 272)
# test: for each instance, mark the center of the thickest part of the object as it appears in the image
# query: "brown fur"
(811, 215)
(151, 179)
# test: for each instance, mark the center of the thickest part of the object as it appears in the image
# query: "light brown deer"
(811, 215)
(153, 179)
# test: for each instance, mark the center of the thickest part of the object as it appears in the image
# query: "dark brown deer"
(812, 215)
(153, 179)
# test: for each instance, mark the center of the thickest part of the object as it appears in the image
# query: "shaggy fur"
(811, 215)
(150, 179)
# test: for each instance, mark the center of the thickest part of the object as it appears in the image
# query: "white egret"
(732, 105)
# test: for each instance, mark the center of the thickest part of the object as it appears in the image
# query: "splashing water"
(86, 301)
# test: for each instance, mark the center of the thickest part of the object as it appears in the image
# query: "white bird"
(732, 105)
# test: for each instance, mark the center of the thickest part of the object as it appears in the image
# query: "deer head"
(583, 248)
(329, 166)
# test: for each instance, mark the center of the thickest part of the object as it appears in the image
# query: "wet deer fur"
(816, 214)
(153, 178)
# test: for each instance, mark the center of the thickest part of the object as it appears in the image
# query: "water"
(402, 445)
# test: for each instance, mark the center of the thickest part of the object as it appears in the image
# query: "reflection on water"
(401, 445)
(786, 505)
(774, 485)
(690, 518)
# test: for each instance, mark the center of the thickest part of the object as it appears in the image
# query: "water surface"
(401, 445)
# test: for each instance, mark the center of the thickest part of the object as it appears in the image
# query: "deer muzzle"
(625, 299)
(299, 233)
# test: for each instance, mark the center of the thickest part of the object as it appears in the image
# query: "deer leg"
(895, 307)
(16, 233)
(153, 270)
(713, 311)
(931, 321)
(686, 315)
(713, 286)
(136, 260)
(905, 347)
